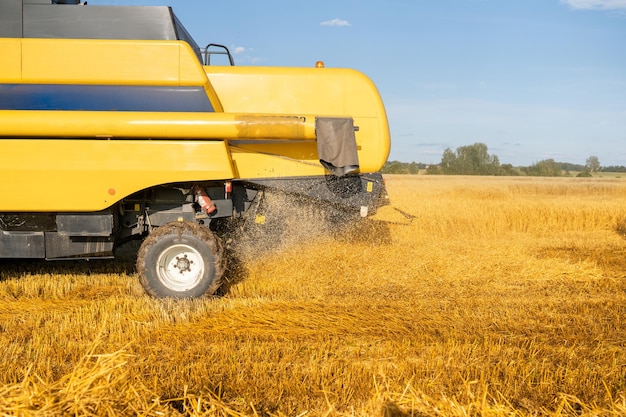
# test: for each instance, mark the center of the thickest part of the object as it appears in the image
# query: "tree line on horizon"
(476, 160)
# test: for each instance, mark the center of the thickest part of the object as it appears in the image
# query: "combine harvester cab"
(113, 127)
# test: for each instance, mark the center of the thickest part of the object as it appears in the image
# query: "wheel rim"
(180, 267)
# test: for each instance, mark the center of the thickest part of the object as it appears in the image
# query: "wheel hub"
(183, 264)
(180, 267)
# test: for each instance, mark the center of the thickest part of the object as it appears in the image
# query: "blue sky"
(532, 79)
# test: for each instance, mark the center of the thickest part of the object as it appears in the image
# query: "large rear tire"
(181, 260)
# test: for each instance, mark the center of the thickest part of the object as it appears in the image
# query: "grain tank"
(113, 127)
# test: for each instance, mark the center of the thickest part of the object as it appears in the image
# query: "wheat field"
(502, 297)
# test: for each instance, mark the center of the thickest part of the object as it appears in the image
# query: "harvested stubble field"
(504, 297)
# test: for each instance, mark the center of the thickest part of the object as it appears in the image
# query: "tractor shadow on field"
(17, 268)
(122, 263)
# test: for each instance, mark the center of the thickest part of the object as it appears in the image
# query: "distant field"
(610, 174)
(504, 297)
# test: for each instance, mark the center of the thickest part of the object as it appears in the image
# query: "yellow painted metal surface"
(155, 125)
(89, 61)
(275, 160)
(263, 126)
(10, 63)
(330, 92)
(102, 62)
(91, 175)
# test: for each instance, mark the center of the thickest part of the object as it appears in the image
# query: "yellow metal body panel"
(78, 61)
(11, 65)
(263, 126)
(102, 62)
(91, 175)
(325, 92)
(56, 174)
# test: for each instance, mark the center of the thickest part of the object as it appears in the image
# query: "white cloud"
(596, 4)
(245, 55)
(336, 22)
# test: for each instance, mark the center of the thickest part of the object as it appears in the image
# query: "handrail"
(206, 53)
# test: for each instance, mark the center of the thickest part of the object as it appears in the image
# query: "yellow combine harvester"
(114, 127)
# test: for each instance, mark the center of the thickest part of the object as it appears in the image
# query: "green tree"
(449, 163)
(544, 168)
(434, 170)
(470, 160)
(508, 169)
(397, 167)
(392, 167)
(592, 164)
